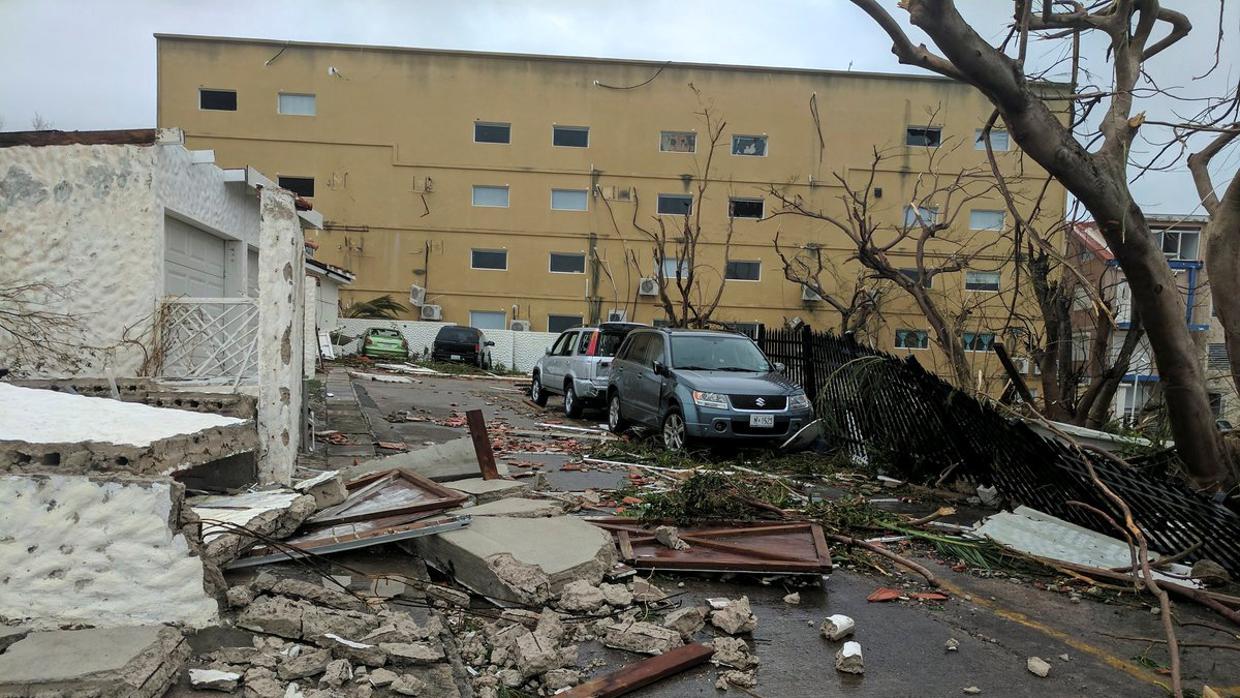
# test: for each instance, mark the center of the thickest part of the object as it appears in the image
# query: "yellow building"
(505, 187)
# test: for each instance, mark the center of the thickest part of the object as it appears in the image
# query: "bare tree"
(1098, 178)
(936, 201)
(35, 331)
(38, 123)
(857, 303)
(690, 287)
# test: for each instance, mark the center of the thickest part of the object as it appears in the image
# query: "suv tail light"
(368, 342)
(477, 348)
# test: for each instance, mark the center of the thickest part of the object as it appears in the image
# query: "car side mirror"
(660, 369)
(779, 367)
(547, 351)
(489, 343)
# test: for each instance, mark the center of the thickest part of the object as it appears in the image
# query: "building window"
(296, 104)
(570, 136)
(301, 186)
(1179, 244)
(929, 136)
(217, 100)
(998, 140)
(745, 208)
(1080, 346)
(488, 319)
(678, 141)
(978, 341)
(986, 220)
(486, 132)
(743, 271)
(568, 199)
(920, 215)
(490, 196)
(675, 204)
(912, 339)
(981, 280)
(489, 259)
(568, 263)
(675, 268)
(1216, 357)
(559, 323)
(916, 276)
(749, 145)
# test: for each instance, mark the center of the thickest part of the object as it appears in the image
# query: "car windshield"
(716, 352)
(609, 341)
(458, 334)
(393, 334)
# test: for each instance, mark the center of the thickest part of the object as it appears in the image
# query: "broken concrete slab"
(356, 652)
(687, 621)
(12, 633)
(327, 488)
(117, 547)
(518, 507)
(736, 617)
(76, 434)
(733, 652)
(412, 653)
(308, 661)
(453, 460)
(519, 559)
(837, 627)
(849, 658)
(426, 682)
(483, 491)
(642, 637)
(1038, 667)
(271, 513)
(127, 662)
(581, 595)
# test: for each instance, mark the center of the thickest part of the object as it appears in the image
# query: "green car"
(381, 343)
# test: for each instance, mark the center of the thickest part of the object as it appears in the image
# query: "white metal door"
(193, 261)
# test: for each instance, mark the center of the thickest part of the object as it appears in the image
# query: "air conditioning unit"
(808, 294)
(1022, 364)
(432, 312)
(795, 322)
(423, 185)
(417, 294)
(519, 325)
(648, 286)
(616, 193)
(614, 315)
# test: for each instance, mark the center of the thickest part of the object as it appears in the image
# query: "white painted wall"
(517, 350)
(310, 342)
(77, 550)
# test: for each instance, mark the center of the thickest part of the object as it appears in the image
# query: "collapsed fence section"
(891, 413)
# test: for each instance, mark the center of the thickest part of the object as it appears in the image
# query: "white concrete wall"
(516, 350)
(329, 305)
(281, 308)
(310, 341)
(77, 550)
(89, 221)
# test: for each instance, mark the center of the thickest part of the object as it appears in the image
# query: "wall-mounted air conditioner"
(423, 185)
(1022, 364)
(432, 312)
(614, 315)
(808, 294)
(611, 193)
(648, 286)
(519, 325)
(417, 295)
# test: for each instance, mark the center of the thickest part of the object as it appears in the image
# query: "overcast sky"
(90, 64)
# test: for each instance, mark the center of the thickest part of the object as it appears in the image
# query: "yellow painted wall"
(388, 118)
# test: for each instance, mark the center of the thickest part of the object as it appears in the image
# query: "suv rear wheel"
(572, 406)
(537, 393)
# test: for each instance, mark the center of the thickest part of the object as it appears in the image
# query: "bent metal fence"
(213, 340)
(891, 412)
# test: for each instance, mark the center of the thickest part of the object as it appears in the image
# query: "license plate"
(766, 421)
(456, 357)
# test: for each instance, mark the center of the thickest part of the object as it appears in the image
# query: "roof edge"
(131, 136)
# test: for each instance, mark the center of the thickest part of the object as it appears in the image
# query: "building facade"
(511, 191)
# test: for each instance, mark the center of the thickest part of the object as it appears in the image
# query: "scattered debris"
(389, 493)
(761, 547)
(668, 536)
(837, 627)
(735, 618)
(643, 673)
(952, 645)
(793, 599)
(214, 680)
(642, 637)
(849, 660)
(733, 652)
(1038, 667)
(687, 621)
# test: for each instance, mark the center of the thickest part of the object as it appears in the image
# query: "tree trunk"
(1222, 235)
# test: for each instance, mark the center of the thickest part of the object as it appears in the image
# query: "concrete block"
(327, 489)
(518, 559)
(445, 462)
(128, 662)
(484, 491)
(517, 507)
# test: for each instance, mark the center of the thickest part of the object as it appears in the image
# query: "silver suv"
(576, 366)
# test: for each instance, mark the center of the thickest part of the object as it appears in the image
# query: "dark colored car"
(700, 384)
(462, 345)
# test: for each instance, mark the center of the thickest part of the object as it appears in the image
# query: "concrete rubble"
(735, 618)
(849, 659)
(837, 627)
(124, 662)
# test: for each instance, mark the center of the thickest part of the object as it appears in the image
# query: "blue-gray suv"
(701, 384)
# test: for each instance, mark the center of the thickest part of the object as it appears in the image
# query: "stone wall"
(77, 550)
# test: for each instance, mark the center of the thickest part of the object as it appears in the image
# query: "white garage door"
(193, 261)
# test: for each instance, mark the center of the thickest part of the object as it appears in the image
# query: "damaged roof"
(130, 136)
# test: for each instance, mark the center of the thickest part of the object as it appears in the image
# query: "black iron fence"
(891, 412)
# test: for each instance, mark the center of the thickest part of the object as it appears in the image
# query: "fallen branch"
(903, 562)
(938, 514)
(1160, 641)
